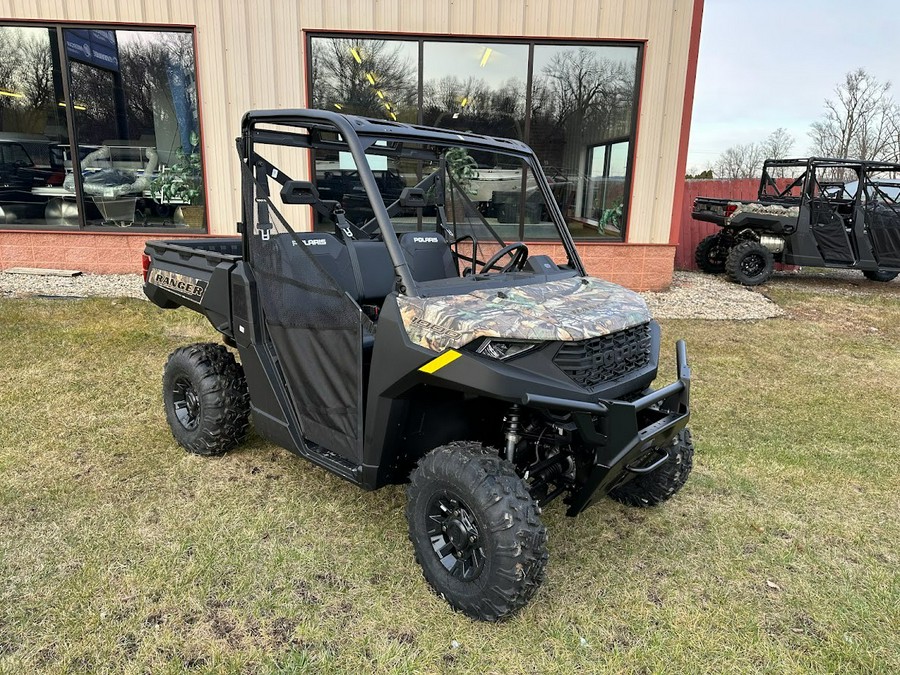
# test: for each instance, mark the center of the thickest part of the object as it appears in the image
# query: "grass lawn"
(120, 552)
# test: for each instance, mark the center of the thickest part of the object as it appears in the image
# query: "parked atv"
(430, 350)
(828, 213)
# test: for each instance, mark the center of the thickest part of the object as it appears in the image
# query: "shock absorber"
(511, 428)
(553, 470)
(549, 472)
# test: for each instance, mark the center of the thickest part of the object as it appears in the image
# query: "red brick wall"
(638, 266)
(96, 253)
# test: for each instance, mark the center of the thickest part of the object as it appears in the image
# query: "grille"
(601, 359)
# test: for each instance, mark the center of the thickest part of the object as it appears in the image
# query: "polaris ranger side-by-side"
(817, 212)
(413, 343)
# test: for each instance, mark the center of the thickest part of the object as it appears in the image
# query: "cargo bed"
(193, 273)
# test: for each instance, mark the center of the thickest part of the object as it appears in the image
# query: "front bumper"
(623, 432)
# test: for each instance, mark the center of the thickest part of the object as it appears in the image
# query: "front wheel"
(653, 488)
(476, 531)
(750, 263)
(878, 275)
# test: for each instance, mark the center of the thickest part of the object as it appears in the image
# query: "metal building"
(117, 119)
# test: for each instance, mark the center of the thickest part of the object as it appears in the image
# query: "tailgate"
(715, 210)
(193, 274)
(710, 210)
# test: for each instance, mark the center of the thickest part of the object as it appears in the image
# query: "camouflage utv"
(817, 212)
(422, 342)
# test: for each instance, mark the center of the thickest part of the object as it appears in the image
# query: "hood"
(569, 310)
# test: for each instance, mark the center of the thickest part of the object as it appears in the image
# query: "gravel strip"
(702, 296)
(84, 285)
(847, 283)
(692, 295)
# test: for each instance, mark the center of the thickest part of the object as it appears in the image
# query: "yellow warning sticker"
(436, 364)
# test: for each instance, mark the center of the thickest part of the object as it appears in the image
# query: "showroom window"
(575, 103)
(99, 129)
(475, 86)
(374, 78)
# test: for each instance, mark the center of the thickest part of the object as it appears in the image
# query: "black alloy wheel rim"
(717, 254)
(753, 264)
(186, 402)
(454, 536)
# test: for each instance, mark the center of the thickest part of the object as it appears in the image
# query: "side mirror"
(299, 192)
(412, 198)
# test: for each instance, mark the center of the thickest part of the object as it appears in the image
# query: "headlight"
(505, 349)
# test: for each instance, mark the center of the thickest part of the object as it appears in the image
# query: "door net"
(882, 214)
(315, 327)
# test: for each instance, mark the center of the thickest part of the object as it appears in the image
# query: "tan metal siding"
(250, 52)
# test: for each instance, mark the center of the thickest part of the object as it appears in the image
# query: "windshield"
(783, 181)
(877, 189)
(492, 198)
(349, 177)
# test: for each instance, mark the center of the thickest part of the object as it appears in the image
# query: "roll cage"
(325, 130)
(821, 178)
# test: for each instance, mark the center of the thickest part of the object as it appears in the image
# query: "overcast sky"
(766, 64)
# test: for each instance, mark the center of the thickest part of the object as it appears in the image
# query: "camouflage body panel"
(568, 309)
(765, 209)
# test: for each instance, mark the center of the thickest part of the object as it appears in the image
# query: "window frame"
(607, 161)
(83, 227)
(531, 43)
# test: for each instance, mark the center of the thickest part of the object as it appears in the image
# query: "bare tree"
(11, 42)
(893, 144)
(583, 89)
(92, 88)
(364, 77)
(26, 74)
(740, 161)
(778, 144)
(10, 64)
(580, 94)
(859, 122)
(144, 66)
(452, 94)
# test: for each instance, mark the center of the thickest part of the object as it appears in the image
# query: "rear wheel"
(878, 275)
(476, 531)
(749, 263)
(711, 254)
(206, 400)
(656, 487)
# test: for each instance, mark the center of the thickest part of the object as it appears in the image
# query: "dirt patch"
(223, 627)
(849, 318)
(403, 636)
(332, 580)
(281, 633)
(304, 593)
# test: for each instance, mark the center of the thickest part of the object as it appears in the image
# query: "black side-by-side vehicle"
(421, 342)
(816, 212)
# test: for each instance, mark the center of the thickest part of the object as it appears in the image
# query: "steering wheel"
(517, 262)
